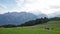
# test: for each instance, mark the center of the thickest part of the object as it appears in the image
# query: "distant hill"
(18, 18)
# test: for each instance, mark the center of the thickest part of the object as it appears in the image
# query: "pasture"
(37, 29)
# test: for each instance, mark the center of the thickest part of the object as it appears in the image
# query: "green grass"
(37, 29)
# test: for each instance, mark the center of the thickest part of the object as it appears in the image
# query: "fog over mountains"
(19, 18)
(56, 14)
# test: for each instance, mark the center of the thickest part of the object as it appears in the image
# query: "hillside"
(17, 18)
(37, 29)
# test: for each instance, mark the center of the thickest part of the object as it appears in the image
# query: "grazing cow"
(48, 28)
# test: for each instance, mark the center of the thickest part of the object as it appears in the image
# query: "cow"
(48, 28)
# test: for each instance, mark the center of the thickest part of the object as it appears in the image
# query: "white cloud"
(53, 2)
(3, 6)
(55, 7)
(20, 5)
(3, 9)
(36, 5)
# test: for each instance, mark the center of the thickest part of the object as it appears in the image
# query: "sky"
(33, 6)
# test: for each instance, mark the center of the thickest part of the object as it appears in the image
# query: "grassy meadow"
(37, 29)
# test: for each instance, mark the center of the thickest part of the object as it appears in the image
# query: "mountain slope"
(16, 18)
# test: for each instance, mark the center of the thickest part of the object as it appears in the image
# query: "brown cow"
(48, 28)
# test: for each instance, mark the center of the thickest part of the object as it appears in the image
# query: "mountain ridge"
(17, 18)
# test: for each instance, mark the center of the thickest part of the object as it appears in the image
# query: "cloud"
(7, 6)
(1, 5)
(3, 9)
(55, 7)
(45, 6)
(37, 5)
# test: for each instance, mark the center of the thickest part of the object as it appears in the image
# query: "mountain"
(16, 18)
